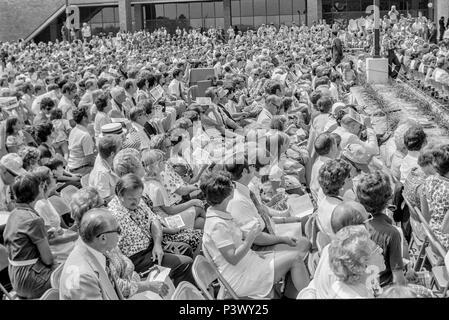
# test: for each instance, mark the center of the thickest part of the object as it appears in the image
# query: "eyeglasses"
(370, 217)
(118, 231)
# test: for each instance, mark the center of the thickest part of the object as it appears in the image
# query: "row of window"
(361, 5)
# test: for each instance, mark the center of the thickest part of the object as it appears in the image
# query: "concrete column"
(314, 11)
(138, 15)
(227, 14)
(124, 14)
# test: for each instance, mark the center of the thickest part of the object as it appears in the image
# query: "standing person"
(64, 32)
(393, 14)
(442, 28)
(433, 33)
(66, 104)
(86, 32)
(337, 48)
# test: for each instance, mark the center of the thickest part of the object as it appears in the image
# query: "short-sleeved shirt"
(67, 107)
(384, 234)
(81, 145)
(23, 231)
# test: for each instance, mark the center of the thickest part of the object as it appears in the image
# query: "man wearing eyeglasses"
(86, 274)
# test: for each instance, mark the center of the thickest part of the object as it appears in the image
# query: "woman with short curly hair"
(331, 177)
(373, 192)
(351, 252)
(30, 157)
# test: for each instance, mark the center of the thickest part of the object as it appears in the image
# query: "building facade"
(42, 20)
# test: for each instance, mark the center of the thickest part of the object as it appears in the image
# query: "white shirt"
(144, 139)
(409, 162)
(264, 118)
(67, 107)
(98, 255)
(103, 178)
(242, 208)
(80, 146)
(347, 138)
(314, 184)
(325, 208)
(173, 88)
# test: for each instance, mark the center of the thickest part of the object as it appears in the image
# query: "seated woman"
(30, 259)
(15, 138)
(374, 191)
(61, 240)
(30, 157)
(436, 189)
(248, 273)
(331, 177)
(141, 239)
(414, 190)
(153, 161)
(129, 282)
(352, 255)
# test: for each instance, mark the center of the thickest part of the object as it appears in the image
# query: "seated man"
(85, 274)
(271, 108)
(102, 177)
(245, 209)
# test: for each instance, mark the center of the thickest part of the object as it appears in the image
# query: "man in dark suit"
(433, 34)
(442, 28)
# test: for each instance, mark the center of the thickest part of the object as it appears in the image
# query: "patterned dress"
(437, 191)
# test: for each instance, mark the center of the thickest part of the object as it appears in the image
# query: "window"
(182, 11)
(219, 22)
(219, 9)
(159, 9)
(247, 21)
(235, 8)
(236, 21)
(208, 10)
(273, 7)
(209, 23)
(195, 10)
(286, 7)
(259, 20)
(98, 18)
(353, 5)
(273, 19)
(247, 8)
(170, 11)
(301, 6)
(287, 20)
(196, 23)
(108, 14)
(260, 8)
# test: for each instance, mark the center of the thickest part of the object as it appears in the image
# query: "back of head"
(374, 191)
(348, 213)
(93, 223)
(323, 144)
(415, 138)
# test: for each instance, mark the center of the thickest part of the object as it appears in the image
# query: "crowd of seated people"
(112, 165)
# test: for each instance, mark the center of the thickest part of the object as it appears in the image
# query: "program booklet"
(175, 221)
(157, 93)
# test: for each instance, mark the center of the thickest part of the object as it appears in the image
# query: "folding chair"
(68, 192)
(187, 291)
(85, 180)
(205, 273)
(4, 264)
(56, 276)
(418, 242)
(60, 205)
(436, 255)
(50, 294)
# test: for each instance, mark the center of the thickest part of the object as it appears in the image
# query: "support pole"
(376, 28)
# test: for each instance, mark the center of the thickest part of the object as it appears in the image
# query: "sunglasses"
(118, 231)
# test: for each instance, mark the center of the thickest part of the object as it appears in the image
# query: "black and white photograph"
(261, 154)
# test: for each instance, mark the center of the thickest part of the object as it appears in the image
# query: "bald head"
(348, 213)
(94, 222)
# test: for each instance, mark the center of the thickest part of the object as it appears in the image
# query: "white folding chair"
(68, 192)
(187, 291)
(85, 180)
